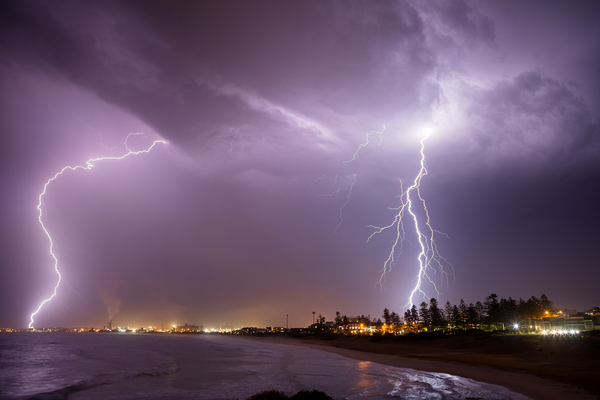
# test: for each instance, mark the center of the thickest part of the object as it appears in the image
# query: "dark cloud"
(531, 116)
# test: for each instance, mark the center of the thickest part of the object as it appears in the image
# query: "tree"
(472, 317)
(386, 316)
(435, 314)
(508, 311)
(532, 308)
(546, 304)
(480, 312)
(338, 318)
(448, 313)
(462, 309)
(321, 319)
(395, 319)
(424, 314)
(456, 319)
(414, 314)
(521, 306)
(411, 318)
(493, 308)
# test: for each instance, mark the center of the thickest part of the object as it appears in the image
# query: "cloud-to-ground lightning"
(429, 259)
(88, 165)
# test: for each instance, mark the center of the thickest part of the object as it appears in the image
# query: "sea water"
(35, 365)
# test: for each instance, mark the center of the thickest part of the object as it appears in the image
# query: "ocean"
(35, 365)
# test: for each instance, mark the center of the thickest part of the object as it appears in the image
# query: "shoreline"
(431, 357)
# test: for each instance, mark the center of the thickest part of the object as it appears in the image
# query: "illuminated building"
(189, 328)
(567, 324)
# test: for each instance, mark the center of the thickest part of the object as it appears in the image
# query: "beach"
(538, 367)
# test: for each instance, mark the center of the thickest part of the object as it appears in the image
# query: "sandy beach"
(549, 368)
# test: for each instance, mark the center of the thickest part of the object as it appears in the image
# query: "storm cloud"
(237, 220)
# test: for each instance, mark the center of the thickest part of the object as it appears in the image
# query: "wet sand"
(546, 368)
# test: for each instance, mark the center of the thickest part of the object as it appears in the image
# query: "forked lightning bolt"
(337, 192)
(88, 165)
(345, 204)
(365, 144)
(429, 259)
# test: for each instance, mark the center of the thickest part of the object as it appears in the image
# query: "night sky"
(237, 220)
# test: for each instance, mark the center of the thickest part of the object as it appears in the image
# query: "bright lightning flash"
(430, 261)
(88, 165)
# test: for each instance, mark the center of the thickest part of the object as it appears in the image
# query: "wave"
(105, 379)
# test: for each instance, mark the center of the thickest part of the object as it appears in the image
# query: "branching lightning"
(88, 165)
(345, 204)
(334, 192)
(430, 261)
(315, 181)
(365, 144)
(231, 136)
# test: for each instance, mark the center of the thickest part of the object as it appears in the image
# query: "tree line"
(493, 312)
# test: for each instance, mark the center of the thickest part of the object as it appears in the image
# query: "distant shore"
(548, 368)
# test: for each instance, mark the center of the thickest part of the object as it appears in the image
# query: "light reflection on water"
(125, 366)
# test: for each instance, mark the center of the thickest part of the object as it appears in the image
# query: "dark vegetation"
(492, 314)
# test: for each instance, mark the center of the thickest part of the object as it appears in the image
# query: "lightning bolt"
(335, 192)
(233, 135)
(366, 143)
(315, 181)
(429, 259)
(88, 165)
(345, 204)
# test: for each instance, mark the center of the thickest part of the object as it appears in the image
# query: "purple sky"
(258, 100)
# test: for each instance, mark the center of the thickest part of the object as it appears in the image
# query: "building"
(251, 330)
(189, 328)
(567, 324)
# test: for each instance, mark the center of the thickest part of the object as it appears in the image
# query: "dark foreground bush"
(311, 395)
(274, 394)
(269, 395)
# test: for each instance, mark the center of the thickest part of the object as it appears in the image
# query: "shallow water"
(163, 366)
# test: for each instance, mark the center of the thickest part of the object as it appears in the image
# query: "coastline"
(519, 370)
